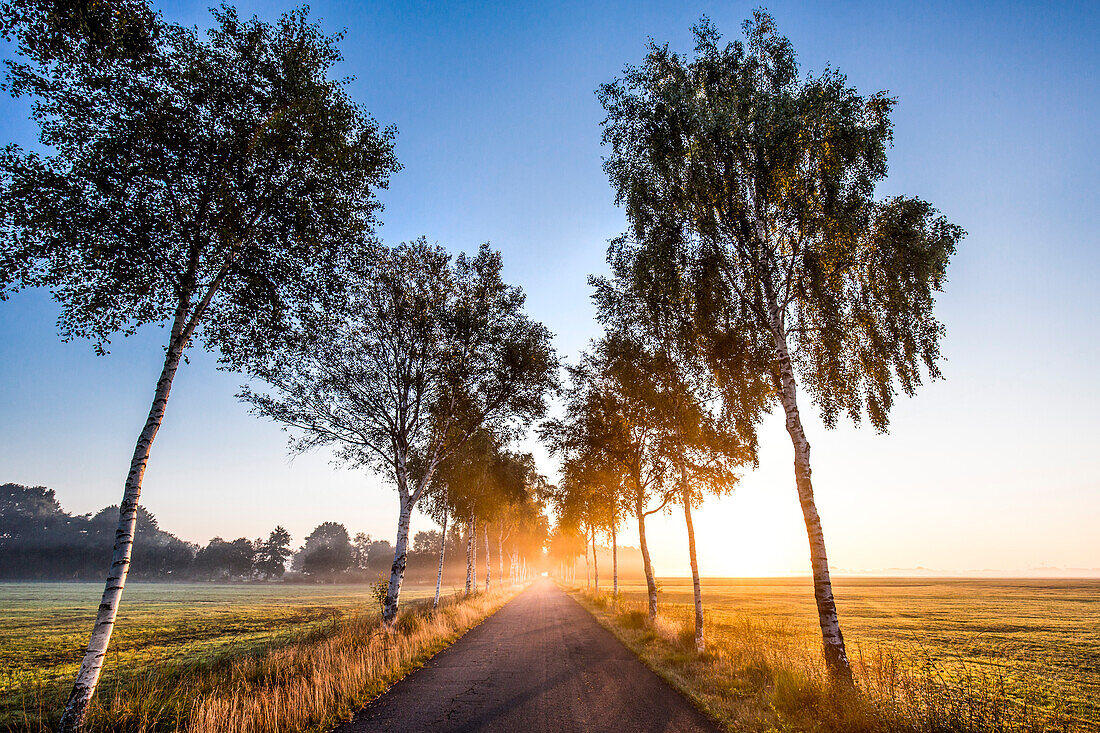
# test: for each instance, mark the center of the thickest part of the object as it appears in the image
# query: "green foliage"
(750, 195)
(211, 180)
(378, 591)
(327, 550)
(425, 351)
(272, 554)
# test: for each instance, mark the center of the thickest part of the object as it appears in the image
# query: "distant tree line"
(40, 540)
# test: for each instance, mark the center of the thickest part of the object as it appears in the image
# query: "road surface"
(541, 664)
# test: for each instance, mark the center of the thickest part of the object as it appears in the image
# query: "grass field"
(1034, 642)
(187, 626)
(1038, 640)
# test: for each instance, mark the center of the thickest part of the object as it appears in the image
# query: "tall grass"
(759, 675)
(308, 683)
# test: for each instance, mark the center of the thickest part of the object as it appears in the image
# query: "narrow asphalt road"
(540, 664)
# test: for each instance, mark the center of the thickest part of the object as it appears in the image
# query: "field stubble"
(929, 654)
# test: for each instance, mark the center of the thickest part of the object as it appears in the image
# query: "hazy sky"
(993, 470)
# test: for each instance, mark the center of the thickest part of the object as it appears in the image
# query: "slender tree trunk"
(500, 552)
(700, 643)
(650, 580)
(587, 569)
(471, 556)
(836, 657)
(91, 666)
(400, 559)
(525, 567)
(614, 561)
(488, 560)
(442, 553)
(595, 565)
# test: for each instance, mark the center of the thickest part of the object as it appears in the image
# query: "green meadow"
(44, 627)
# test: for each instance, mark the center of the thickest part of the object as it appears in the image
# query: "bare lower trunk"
(500, 553)
(488, 560)
(614, 562)
(471, 556)
(442, 553)
(400, 559)
(91, 666)
(587, 569)
(650, 580)
(595, 565)
(700, 644)
(836, 657)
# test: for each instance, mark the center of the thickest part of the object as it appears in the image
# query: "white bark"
(650, 580)
(700, 643)
(400, 559)
(488, 560)
(442, 553)
(471, 555)
(587, 570)
(595, 565)
(836, 657)
(614, 561)
(91, 666)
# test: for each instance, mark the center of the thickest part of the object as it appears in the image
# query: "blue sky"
(994, 469)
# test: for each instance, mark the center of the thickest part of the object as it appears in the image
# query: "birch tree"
(706, 424)
(609, 416)
(203, 183)
(425, 351)
(767, 180)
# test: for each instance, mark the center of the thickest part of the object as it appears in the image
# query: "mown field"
(1037, 640)
(44, 627)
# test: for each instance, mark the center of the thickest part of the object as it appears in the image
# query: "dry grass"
(306, 683)
(763, 674)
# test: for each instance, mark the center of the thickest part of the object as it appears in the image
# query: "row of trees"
(40, 540)
(757, 258)
(224, 184)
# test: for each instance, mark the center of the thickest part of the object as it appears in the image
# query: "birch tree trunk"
(650, 581)
(595, 565)
(500, 552)
(488, 560)
(91, 666)
(614, 561)
(587, 569)
(836, 657)
(700, 644)
(442, 553)
(471, 547)
(400, 559)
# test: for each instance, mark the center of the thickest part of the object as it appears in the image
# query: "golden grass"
(307, 683)
(763, 674)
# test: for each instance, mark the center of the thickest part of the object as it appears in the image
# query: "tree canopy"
(228, 174)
